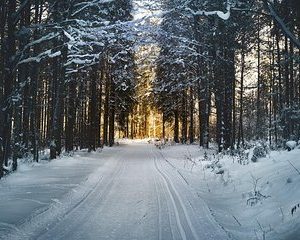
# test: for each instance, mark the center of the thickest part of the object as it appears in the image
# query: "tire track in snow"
(183, 220)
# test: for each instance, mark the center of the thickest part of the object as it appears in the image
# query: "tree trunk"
(241, 127)
(258, 98)
(191, 127)
(57, 122)
(176, 126)
(106, 111)
(93, 111)
(112, 115)
(9, 78)
(183, 118)
(71, 115)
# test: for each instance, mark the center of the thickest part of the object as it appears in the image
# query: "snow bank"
(291, 145)
(258, 200)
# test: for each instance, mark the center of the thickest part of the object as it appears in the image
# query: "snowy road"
(133, 194)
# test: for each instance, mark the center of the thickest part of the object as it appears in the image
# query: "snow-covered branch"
(86, 5)
(220, 14)
(40, 57)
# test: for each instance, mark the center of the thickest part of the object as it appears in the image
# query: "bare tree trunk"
(176, 126)
(191, 128)
(258, 98)
(286, 133)
(163, 126)
(3, 18)
(71, 115)
(55, 145)
(93, 107)
(100, 110)
(241, 127)
(9, 78)
(106, 111)
(183, 119)
(112, 110)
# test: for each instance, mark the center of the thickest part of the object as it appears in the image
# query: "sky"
(145, 9)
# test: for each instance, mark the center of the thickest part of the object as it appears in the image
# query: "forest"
(220, 72)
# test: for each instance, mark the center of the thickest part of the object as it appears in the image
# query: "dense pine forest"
(77, 74)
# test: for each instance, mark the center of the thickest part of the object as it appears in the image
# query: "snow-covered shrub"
(160, 144)
(206, 157)
(290, 145)
(189, 161)
(44, 155)
(8, 169)
(209, 166)
(170, 143)
(215, 167)
(255, 196)
(259, 151)
(243, 156)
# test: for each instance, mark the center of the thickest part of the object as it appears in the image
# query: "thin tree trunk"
(183, 119)
(241, 127)
(71, 115)
(106, 112)
(9, 78)
(112, 110)
(55, 145)
(191, 129)
(258, 98)
(176, 126)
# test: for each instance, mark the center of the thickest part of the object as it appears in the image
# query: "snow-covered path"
(130, 192)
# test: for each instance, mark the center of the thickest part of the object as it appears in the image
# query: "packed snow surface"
(138, 191)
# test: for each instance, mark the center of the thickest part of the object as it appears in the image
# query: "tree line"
(232, 74)
(62, 73)
(226, 71)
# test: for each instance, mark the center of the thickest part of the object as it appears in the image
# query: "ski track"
(89, 204)
(135, 196)
(208, 213)
(159, 211)
(178, 206)
(161, 194)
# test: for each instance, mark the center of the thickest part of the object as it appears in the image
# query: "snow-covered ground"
(231, 196)
(137, 191)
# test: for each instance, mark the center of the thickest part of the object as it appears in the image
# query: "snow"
(291, 144)
(36, 59)
(138, 191)
(229, 195)
(89, 4)
(223, 15)
(55, 54)
(69, 36)
(45, 38)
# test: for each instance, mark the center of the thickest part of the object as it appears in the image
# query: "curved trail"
(134, 196)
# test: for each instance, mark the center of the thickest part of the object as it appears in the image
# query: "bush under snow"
(290, 145)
